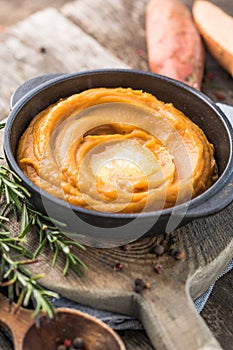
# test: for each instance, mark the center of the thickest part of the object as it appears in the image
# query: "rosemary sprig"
(14, 257)
(13, 274)
(26, 287)
(51, 235)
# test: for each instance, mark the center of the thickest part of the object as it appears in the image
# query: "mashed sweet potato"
(117, 150)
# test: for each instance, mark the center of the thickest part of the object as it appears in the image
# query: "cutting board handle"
(172, 322)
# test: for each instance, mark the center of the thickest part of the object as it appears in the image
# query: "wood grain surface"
(104, 287)
(31, 49)
(80, 39)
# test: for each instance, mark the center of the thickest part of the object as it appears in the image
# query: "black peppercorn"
(139, 285)
(173, 240)
(158, 250)
(139, 282)
(138, 288)
(126, 247)
(172, 251)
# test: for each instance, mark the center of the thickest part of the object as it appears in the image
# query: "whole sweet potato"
(174, 44)
(216, 27)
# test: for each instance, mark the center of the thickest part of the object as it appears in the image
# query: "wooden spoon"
(49, 333)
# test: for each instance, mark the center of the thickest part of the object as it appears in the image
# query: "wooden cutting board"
(165, 309)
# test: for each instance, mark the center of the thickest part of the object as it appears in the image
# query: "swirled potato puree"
(117, 150)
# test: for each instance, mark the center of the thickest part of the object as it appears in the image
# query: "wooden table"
(87, 34)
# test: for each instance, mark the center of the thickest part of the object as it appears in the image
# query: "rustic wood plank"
(34, 47)
(9, 15)
(117, 25)
(218, 312)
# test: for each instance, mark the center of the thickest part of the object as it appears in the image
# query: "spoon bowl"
(43, 333)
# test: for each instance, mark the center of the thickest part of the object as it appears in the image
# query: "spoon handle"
(16, 319)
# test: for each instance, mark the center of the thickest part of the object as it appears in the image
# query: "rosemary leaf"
(27, 296)
(3, 218)
(4, 233)
(37, 277)
(24, 220)
(4, 211)
(55, 256)
(21, 298)
(74, 243)
(77, 270)
(40, 248)
(67, 265)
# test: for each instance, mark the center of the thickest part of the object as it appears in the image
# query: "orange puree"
(117, 150)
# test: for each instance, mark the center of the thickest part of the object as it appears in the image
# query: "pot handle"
(29, 85)
(224, 195)
(227, 110)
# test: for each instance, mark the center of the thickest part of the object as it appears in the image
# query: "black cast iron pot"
(106, 229)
